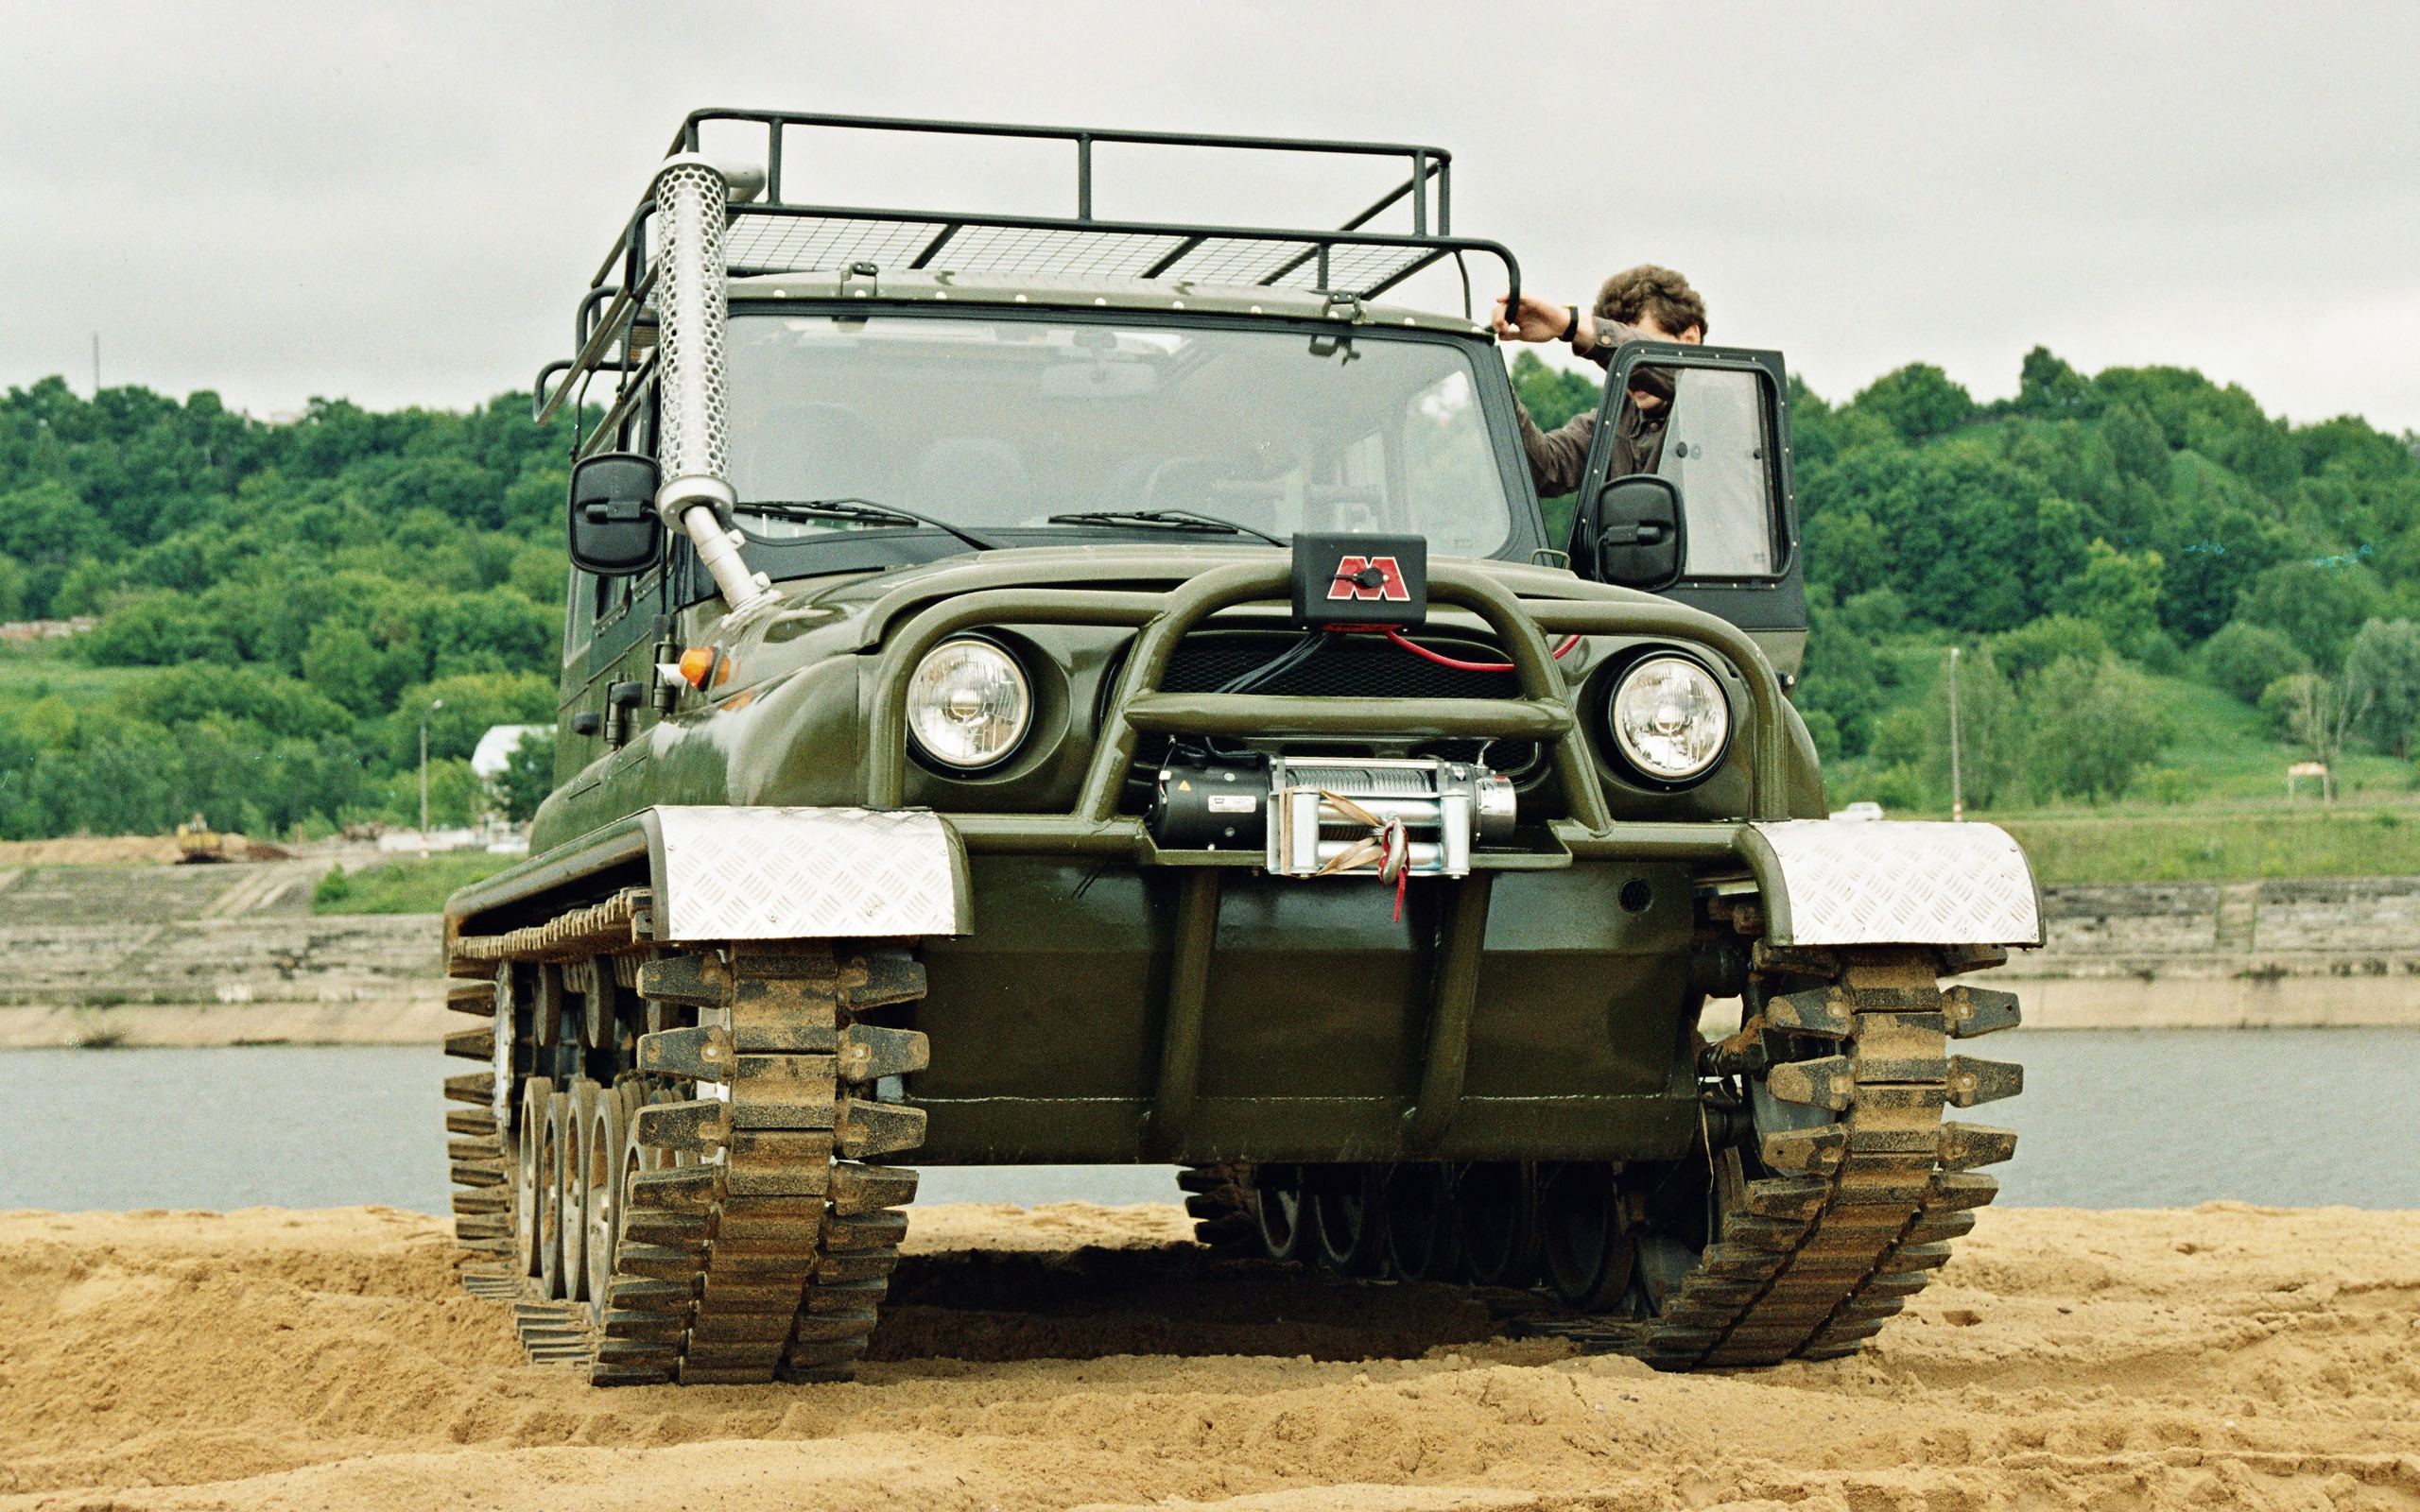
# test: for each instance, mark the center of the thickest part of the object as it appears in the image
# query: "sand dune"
(2225, 1356)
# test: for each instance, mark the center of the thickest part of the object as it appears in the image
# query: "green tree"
(2026, 651)
(2382, 677)
(2319, 605)
(2316, 712)
(12, 587)
(1900, 738)
(2137, 444)
(2119, 592)
(1840, 678)
(2047, 386)
(1918, 401)
(2244, 659)
(528, 775)
(473, 703)
(2094, 724)
(159, 629)
(2062, 547)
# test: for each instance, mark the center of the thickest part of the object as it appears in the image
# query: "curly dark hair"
(1656, 292)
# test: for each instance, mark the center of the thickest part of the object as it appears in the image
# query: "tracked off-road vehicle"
(1056, 689)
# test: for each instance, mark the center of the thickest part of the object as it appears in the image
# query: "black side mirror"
(615, 528)
(1638, 532)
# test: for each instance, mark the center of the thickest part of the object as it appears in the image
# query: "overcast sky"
(399, 203)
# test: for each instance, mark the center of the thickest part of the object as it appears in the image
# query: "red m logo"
(1369, 577)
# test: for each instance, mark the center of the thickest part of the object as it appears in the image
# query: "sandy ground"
(1073, 1356)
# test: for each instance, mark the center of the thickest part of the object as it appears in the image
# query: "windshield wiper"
(1165, 519)
(864, 512)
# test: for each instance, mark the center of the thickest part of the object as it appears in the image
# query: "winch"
(1334, 816)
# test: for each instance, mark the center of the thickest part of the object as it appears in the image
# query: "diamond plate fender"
(783, 873)
(1896, 883)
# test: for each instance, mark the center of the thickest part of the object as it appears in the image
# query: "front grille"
(1345, 666)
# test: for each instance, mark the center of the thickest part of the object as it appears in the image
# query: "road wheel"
(1424, 1243)
(579, 1112)
(529, 1145)
(1497, 1212)
(1346, 1216)
(601, 1173)
(1583, 1242)
(1280, 1210)
(554, 1133)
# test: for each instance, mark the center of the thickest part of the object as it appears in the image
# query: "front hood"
(855, 612)
(874, 601)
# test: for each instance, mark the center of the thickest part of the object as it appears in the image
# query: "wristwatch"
(1571, 332)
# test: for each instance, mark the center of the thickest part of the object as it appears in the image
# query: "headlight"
(968, 704)
(1670, 718)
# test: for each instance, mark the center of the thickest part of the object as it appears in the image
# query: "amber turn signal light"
(695, 663)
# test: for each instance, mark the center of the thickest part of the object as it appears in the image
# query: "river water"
(2110, 1119)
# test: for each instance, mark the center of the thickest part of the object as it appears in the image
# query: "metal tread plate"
(1902, 883)
(741, 873)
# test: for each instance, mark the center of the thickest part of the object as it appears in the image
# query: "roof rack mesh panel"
(806, 243)
(1027, 251)
(786, 243)
(1294, 265)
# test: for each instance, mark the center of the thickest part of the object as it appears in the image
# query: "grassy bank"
(2219, 845)
(414, 885)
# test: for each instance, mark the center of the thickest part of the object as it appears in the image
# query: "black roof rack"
(775, 236)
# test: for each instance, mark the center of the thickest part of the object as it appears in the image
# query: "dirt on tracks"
(1076, 1357)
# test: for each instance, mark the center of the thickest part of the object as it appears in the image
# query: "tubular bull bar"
(1541, 713)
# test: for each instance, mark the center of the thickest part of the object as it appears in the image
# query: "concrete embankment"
(2205, 954)
(208, 956)
(230, 955)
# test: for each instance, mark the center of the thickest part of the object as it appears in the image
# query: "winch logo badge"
(1361, 578)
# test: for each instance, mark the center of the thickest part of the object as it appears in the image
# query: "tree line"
(296, 595)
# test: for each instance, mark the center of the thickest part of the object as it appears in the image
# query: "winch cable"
(1413, 646)
(1251, 677)
(1387, 847)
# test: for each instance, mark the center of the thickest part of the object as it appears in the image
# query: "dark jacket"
(1558, 458)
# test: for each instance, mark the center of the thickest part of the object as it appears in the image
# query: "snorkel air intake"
(693, 449)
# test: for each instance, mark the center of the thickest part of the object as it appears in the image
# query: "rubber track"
(1809, 1266)
(475, 1161)
(1219, 1200)
(788, 1249)
(764, 1255)
(618, 924)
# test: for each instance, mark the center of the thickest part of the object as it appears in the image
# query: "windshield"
(1000, 423)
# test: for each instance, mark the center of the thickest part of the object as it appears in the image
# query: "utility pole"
(1957, 794)
(423, 772)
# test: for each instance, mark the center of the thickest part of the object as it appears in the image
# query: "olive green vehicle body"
(1114, 1003)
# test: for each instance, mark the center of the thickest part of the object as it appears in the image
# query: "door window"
(580, 614)
(1717, 453)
